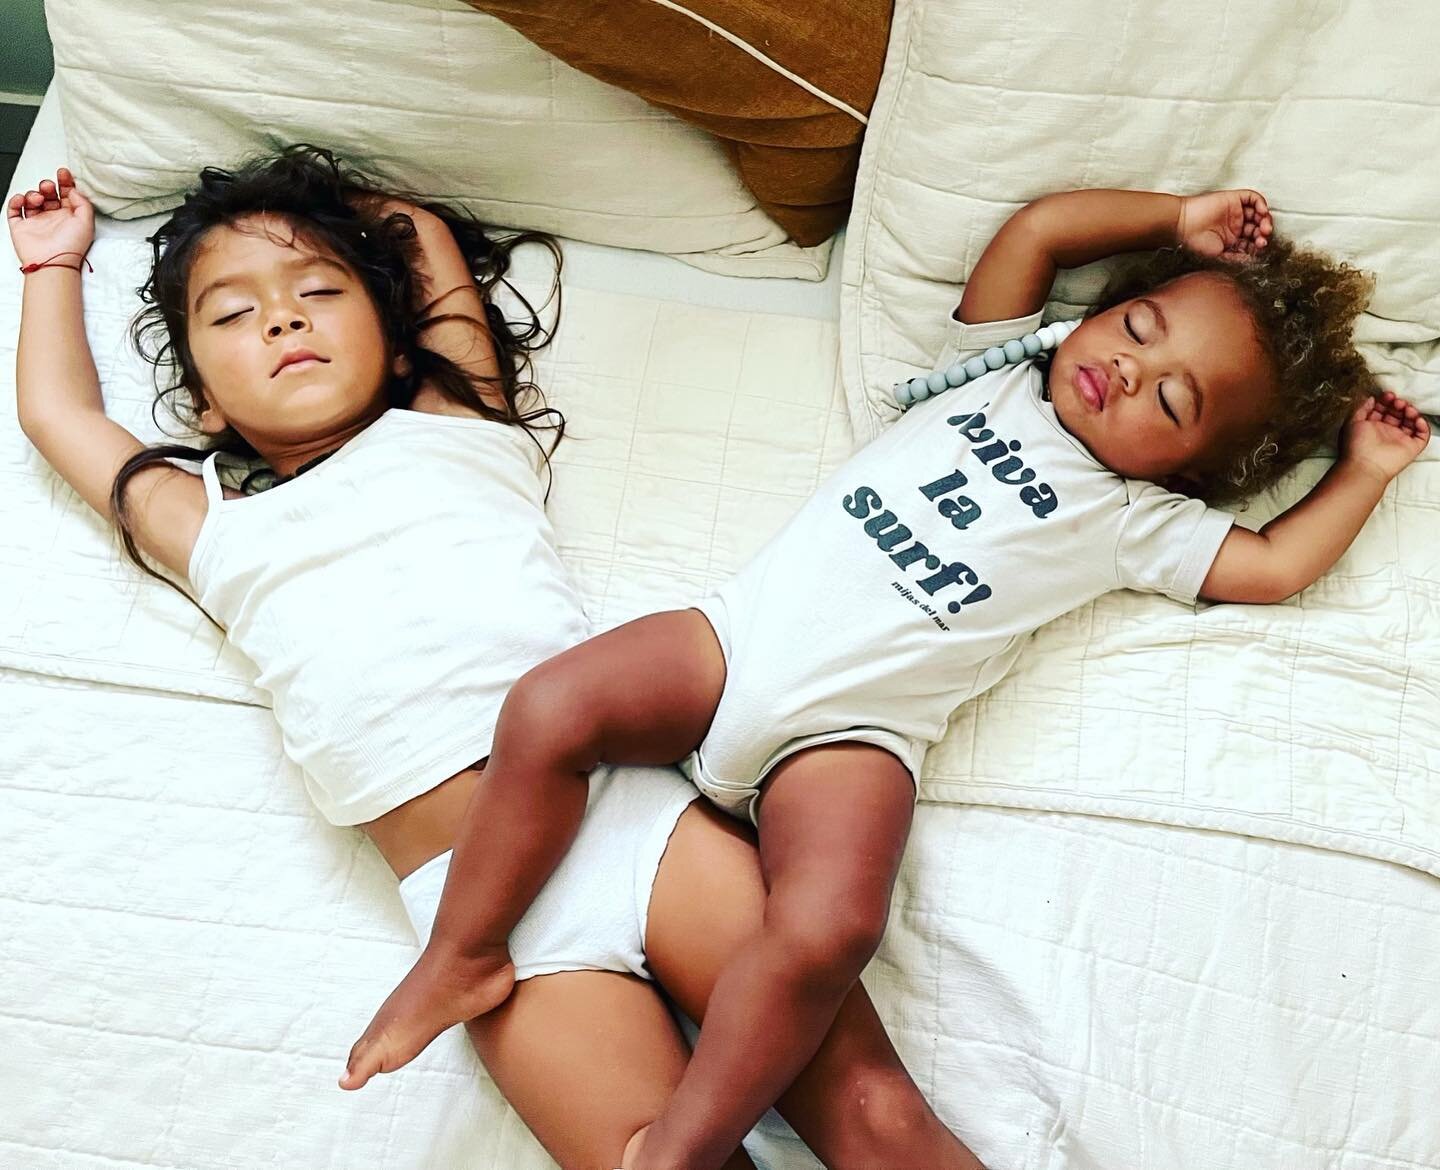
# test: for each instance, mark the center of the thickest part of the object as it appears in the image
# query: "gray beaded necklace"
(1017, 349)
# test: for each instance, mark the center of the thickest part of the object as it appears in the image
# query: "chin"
(1068, 409)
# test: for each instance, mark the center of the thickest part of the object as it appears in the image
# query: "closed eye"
(1165, 406)
(1131, 331)
(319, 292)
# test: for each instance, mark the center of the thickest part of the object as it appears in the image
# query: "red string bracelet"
(50, 263)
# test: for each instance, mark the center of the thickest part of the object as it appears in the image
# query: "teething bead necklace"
(1017, 349)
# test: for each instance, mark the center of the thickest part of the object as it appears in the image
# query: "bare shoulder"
(168, 507)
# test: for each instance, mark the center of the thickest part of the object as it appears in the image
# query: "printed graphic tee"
(906, 584)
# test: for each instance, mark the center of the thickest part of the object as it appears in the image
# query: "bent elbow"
(1272, 590)
(35, 426)
(1256, 589)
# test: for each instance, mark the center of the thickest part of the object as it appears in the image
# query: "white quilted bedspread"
(188, 951)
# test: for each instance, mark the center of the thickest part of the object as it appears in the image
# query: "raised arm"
(57, 389)
(446, 288)
(1291, 552)
(1013, 275)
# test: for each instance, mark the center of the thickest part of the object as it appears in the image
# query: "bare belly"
(426, 826)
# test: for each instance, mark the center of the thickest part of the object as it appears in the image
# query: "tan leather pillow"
(785, 85)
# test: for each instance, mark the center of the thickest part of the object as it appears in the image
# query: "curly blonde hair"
(1304, 306)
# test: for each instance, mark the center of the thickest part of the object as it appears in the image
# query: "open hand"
(1233, 225)
(1385, 433)
(51, 219)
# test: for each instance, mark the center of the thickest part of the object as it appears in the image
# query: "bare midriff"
(424, 827)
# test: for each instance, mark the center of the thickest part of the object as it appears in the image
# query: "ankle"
(442, 954)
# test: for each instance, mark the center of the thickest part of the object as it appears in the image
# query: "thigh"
(833, 821)
(645, 692)
(587, 1058)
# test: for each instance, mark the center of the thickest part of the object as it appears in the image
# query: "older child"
(807, 690)
(391, 585)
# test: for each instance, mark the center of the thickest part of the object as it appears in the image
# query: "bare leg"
(854, 1104)
(643, 693)
(833, 825)
(586, 1058)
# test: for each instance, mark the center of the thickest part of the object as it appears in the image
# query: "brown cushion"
(796, 151)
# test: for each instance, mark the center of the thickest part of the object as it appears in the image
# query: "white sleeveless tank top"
(390, 597)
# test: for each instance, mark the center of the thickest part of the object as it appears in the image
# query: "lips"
(297, 355)
(1092, 387)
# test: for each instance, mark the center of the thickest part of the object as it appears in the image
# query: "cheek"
(365, 335)
(203, 358)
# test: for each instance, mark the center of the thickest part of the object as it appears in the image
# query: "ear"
(210, 419)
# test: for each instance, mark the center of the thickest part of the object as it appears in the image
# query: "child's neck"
(288, 459)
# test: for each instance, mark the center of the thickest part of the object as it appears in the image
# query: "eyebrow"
(1189, 377)
(296, 263)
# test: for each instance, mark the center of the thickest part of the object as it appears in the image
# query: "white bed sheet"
(188, 949)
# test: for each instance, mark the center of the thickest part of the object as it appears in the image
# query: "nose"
(284, 315)
(1127, 371)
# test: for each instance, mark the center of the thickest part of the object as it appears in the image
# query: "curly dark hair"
(1304, 305)
(332, 207)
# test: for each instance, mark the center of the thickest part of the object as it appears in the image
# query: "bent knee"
(881, 1117)
(551, 710)
(834, 942)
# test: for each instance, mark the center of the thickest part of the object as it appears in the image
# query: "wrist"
(1362, 470)
(67, 259)
(60, 274)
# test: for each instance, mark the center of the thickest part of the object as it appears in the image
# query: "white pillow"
(432, 95)
(1331, 109)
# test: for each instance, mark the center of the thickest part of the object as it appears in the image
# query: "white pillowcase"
(430, 94)
(1331, 109)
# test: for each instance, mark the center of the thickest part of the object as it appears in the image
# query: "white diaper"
(591, 914)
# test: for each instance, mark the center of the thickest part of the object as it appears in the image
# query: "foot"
(438, 993)
(630, 1158)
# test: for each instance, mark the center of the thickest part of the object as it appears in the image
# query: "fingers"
(50, 195)
(1255, 205)
(1389, 409)
(1257, 226)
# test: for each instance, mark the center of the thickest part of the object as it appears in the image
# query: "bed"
(1216, 951)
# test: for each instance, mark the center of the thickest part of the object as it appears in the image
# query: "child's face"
(281, 295)
(1159, 386)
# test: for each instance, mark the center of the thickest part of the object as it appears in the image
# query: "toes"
(360, 1066)
(354, 1079)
